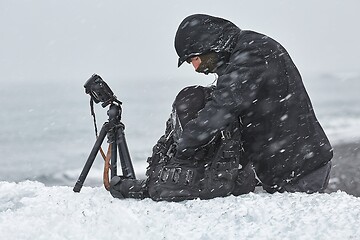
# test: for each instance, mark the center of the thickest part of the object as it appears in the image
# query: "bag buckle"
(164, 174)
(172, 173)
(175, 174)
(225, 134)
(189, 176)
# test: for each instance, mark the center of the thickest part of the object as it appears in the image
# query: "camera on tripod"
(99, 91)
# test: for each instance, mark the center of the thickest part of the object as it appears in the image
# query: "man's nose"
(195, 62)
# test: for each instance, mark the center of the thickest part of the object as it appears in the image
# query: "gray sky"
(55, 40)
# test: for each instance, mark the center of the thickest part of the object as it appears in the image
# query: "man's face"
(195, 61)
(205, 63)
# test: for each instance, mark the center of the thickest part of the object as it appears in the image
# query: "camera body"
(99, 91)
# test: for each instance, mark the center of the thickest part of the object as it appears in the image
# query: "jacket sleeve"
(235, 91)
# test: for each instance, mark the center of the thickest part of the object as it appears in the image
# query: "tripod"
(114, 129)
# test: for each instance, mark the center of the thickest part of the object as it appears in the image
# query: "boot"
(121, 187)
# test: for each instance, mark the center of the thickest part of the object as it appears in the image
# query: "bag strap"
(107, 158)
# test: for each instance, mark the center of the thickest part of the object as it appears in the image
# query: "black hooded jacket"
(260, 85)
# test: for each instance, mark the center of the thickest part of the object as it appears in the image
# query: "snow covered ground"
(30, 210)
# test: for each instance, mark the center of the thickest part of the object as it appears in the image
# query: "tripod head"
(99, 91)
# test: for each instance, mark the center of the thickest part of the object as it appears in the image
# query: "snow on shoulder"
(30, 210)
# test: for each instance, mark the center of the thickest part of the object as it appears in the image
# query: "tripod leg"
(113, 165)
(125, 160)
(91, 158)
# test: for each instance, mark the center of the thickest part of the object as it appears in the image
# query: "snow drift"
(30, 210)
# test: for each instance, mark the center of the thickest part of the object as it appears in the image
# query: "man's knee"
(189, 102)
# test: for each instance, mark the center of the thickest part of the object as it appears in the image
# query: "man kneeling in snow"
(258, 114)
